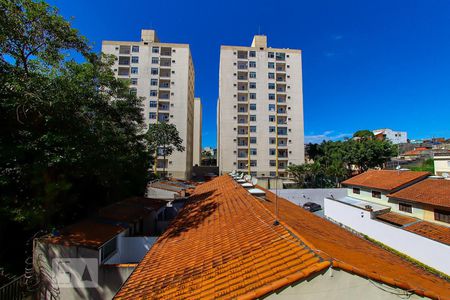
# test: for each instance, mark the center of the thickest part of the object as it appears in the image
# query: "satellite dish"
(398, 167)
(254, 180)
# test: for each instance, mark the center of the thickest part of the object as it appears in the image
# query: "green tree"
(163, 139)
(72, 136)
(364, 134)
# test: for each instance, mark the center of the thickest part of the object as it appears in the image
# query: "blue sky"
(366, 64)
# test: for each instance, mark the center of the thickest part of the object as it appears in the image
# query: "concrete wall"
(441, 165)
(132, 249)
(338, 285)
(197, 147)
(427, 251)
(301, 196)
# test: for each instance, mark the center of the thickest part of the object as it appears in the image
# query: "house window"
(252, 74)
(133, 91)
(154, 71)
(271, 65)
(442, 215)
(252, 96)
(153, 93)
(152, 115)
(252, 54)
(252, 118)
(356, 191)
(272, 140)
(153, 104)
(272, 151)
(271, 107)
(252, 85)
(252, 64)
(253, 151)
(133, 81)
(252, 128)
(252, 140)
(154, 82)
(271, 96)
(155, 50)
(135, 59)
(109, 248)
(405, 207)
(271, 128)
(271, 118)
(270, 55)
(134, 70)
(271, 86)
(252, 106)
(135, 49)
(155, 60)
(271, 75)
(376, 194)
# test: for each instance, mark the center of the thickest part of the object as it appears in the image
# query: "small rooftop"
(430, 191)
(131, 209)
(366, 205)
(432, 231)
(387, 180)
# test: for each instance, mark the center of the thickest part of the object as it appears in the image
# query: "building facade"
(442, 164)
(260, 109)
(197, 150)
(396, 137)
(163, 75)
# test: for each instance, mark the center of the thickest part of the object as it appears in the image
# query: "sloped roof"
(224, 245)
(396, 218)
(89, 233)
(429, 191)
(432, 231)
(387, 180)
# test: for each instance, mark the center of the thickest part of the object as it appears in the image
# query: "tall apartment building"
(260, 109)
(163, 75)
(197, 131)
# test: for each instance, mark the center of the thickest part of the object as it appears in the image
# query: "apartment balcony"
(166, 51)
(123, 71)
(242, 97)
(282, 131)
(281, 88)
(242, 120)
(281, 111)
(282, 154)
(242, 86)
(242, 54)
(242, 76)
(124, 60)
(242, 65)
(164, 73)
(282, 121)
(164, 84)
(164, 95)
(163, 117)
(281, 77)
(165, 62)
(124, 49)
(281, 98)
(280, 67)
(242, 154)
(280, 56)
(163, 107)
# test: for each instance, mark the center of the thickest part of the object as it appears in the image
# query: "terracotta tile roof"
(432, 231)
(396, 218)
(354, 254)
(387, 180)
(83, 234)
(223, 245)
(429, 191)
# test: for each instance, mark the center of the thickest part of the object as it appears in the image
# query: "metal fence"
(14, 290)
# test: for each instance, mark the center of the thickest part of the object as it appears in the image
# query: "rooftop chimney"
(259, 41)
(149, 35)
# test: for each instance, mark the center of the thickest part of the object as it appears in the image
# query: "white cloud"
(328, 135)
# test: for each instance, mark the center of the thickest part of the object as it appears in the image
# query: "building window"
(271, 118)
(270, 55)
(252, 64)
(252, 85)
(271, 75)
(155, 50)
(271, 107)
(272, 140)
(153, 104)
(153, 93)
(253, 151)
(252, 74)
(252, 140)
(154, 71)
(133, 91)
(442, 215)
(271, 96)
(405, 207)
(109, 248)
(134, 81)
(252, 53)
(272, 151)
(376, 194)
(271, 65)
(271, 128)
(154, 82)
(152, 115)
(280, 56)
(252, 106)
(253, 164)
(134, 70)
(135, 49)
(135, 59)
(252, 128)
(252, 96)
(155, 60)
(356, 191)
(252, 118)
(271, 86)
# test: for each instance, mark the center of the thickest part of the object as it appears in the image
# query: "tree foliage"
(71, 136)
(333, 162)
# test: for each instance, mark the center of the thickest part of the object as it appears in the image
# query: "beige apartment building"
(197, 132)
(260, 109)
(163, 75)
